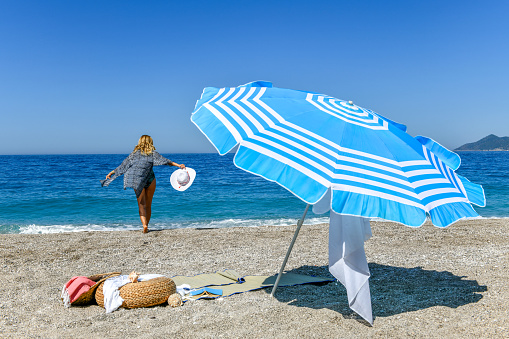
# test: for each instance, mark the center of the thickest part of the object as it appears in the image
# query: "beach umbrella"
(318, 146)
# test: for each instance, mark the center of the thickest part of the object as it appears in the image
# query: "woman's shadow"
(394, 290)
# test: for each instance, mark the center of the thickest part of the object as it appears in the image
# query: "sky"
(90, 77)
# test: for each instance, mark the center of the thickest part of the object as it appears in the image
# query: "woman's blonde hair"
(145, 145)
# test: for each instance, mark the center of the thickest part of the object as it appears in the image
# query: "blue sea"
(62, 193)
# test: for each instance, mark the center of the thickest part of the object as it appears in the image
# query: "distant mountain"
(489, 143)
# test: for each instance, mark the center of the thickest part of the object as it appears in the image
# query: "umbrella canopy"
(310, 143)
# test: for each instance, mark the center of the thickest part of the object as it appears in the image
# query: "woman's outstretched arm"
(122, 168)
(182, 166)
(160, 160)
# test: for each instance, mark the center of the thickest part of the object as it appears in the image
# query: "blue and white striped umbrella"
(310, 143)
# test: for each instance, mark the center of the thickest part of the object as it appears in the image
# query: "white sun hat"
(182, 179)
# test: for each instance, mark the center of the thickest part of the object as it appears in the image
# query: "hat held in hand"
(182, 179)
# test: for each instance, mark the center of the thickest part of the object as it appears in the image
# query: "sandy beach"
(425, 282)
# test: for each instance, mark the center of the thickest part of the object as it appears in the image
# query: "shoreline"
(425, 282)
(481, 150)
(157, 228)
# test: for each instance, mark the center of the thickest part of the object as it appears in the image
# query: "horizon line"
(103, 153)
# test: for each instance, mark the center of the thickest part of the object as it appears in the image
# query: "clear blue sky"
(92, 76)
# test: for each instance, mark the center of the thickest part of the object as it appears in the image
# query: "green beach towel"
(230, 282)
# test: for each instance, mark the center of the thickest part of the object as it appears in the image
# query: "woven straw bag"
(89, 296)
(142, 294)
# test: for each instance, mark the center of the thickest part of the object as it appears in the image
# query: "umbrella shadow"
(394, 290)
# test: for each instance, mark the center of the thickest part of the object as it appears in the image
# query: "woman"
(138, 173)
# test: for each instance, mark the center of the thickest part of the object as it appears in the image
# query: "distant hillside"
(489, 143)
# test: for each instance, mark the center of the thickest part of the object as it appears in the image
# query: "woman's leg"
(150, 194)
(145, 205)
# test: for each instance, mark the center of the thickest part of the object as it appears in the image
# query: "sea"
(62, 193)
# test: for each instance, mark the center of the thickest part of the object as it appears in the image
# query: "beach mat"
(208, 279)
(230, 282)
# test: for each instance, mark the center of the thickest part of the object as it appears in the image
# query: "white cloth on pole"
(112, 298)
(347, 259)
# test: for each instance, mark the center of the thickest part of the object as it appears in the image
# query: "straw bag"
(142, 294)
(89, 296)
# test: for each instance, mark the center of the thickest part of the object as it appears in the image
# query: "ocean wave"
(226, 223)
(254, 222)
(43, 229)
(491, 217)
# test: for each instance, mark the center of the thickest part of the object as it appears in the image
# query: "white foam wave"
(255, 222)
(42, 229)
(224, 223)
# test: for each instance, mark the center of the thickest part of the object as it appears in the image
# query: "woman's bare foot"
(145, 229)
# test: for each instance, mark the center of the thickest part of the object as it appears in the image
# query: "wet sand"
(425, 282)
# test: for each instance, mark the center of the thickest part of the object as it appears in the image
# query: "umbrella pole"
(299, 224)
